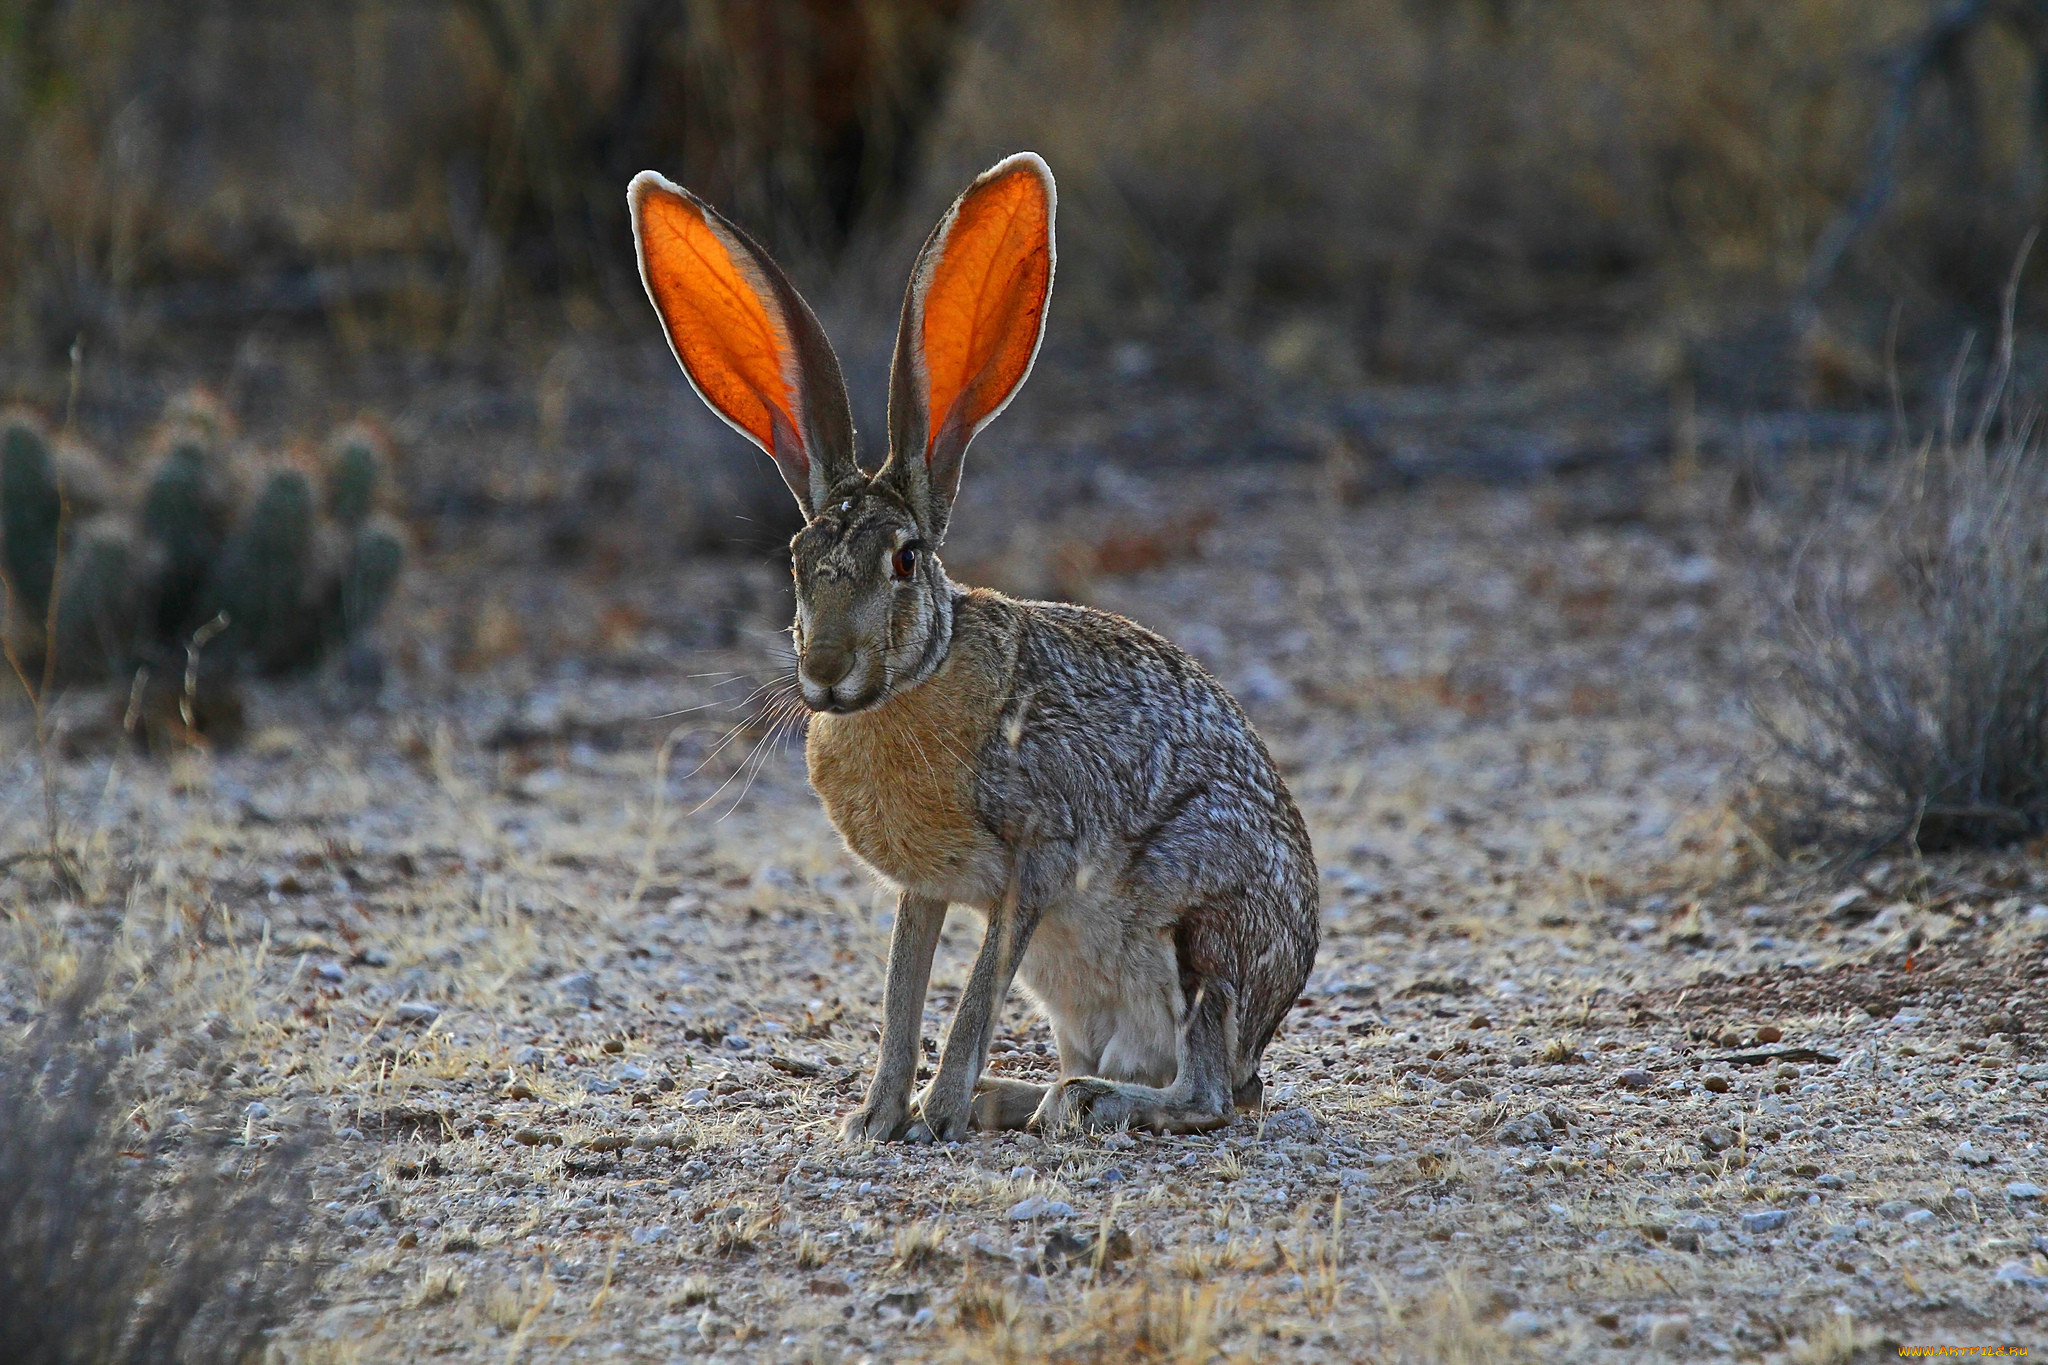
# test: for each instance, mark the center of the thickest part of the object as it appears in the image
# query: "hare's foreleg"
(1199, 1099)
(947, 1104)
(885, 1114)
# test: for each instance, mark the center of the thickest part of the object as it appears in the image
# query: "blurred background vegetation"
(1338, 194)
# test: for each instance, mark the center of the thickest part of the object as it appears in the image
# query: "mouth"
(832, 701)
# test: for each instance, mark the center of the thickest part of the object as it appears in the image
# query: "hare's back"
(1111, 719)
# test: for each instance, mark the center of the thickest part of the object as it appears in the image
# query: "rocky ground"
(552, 948)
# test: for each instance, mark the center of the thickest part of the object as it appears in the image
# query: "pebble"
(1919, 1218)
(1718, 1084)
(578, 988)
(1038, 1206)
(2020, 1273)
(1894, 1209)
(2023, 1189)
(1766, 1220)
(1523, 1323)
(1670, 1333)
(1973, 1156)
(374, 957)
(530, 1056)
(1730, 1038)
(1717, 1138)
(257, 1109)
(1770, 1033)
(629, 1073)
(2034, 1071)
(416, 1012)
(1831, 1182)
(537, 1137)
(331, 971)
(1299, 1124)
(736, 1042)
(1635, 1079)
(697, 1098)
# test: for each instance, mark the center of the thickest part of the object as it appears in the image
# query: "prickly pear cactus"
(30, 509)
(188, 509)
(98, 599)
(298, 564)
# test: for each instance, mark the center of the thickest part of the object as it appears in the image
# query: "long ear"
(972, 322)
(751, 346)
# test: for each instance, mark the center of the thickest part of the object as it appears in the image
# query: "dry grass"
(120, 1246)
(1517, 159)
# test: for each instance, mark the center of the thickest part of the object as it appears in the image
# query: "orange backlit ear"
(750, 345)
(972, 323)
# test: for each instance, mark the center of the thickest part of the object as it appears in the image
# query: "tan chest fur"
(898, 780)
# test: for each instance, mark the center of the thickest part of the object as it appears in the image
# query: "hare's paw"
(1087, 1102)
(876, 1121)
(942, 1115)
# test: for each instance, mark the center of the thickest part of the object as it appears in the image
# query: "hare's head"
(874, 609)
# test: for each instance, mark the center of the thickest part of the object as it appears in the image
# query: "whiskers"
(770, 713)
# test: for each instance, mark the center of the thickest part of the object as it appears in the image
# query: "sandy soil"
(558, 947)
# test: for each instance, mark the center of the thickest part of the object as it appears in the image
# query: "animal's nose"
(826, 663)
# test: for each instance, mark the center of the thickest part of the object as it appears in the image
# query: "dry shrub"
(1910, 658)
(1514, 157)
(411, 163)
(110, 1254)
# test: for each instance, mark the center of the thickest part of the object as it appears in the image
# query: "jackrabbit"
(1076, 779)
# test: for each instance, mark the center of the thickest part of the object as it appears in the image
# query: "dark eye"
(904, 561)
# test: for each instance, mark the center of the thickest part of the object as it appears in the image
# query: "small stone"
(1770, 1033)
(331, 972)
(1717, 1138)
(530, 1056)
(736, 1042)
(416, 1012)
(697, 1099)
(1669, 1334)
(1299, 1124)
(1038, 1206)
(1718, 1084)
(1971, 1155)
(578, 988)
(2023, 1189)
(256, 1109)
(537, 1137)
(1766, 1220)
(629, 1073)
(1480, 1021)
(1831, 1182)
(363, 1219)
(373, 957)
(1523, 1324)
(1730, 1038)
(2022, 1274)
(1895, 1209)
(2034, 1071)
(1635, 1078)
(1787, 1072)
(1919, 1218)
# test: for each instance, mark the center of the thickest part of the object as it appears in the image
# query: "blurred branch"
(1936, 51)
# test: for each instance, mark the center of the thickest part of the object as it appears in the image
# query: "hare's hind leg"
(1001, 1104)
(1200, 1097)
